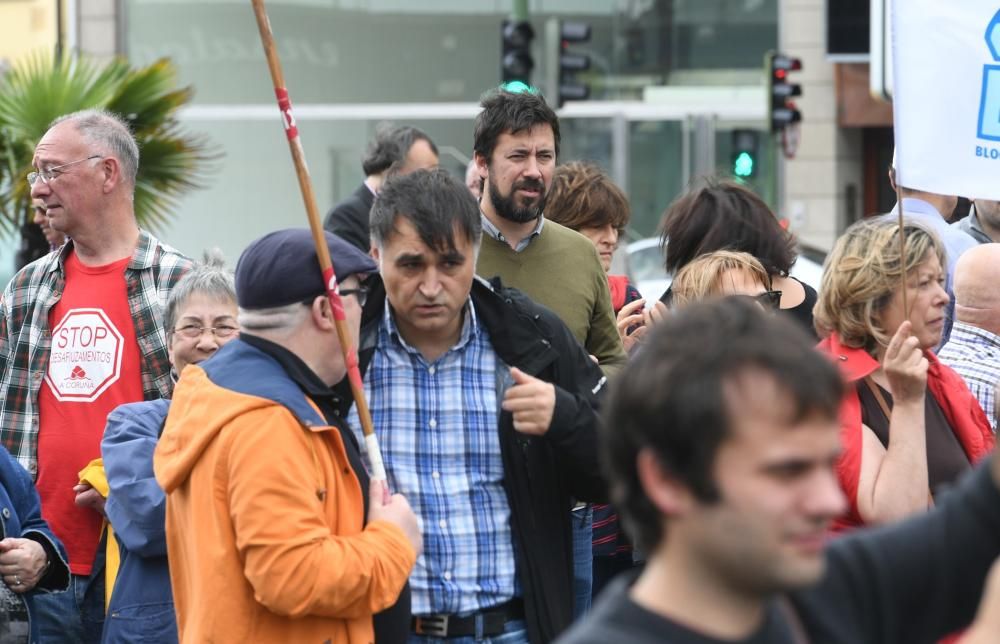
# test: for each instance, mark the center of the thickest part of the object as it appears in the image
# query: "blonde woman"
(723, 272)
(909, 425)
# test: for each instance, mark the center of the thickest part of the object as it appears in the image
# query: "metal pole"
(552, 47)
(59, 29)
(620, 150)
(519, 10)
(72, 44)
(897, 157)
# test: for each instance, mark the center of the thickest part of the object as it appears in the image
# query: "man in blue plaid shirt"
(973, 350)
(484, 406)
(81, 332)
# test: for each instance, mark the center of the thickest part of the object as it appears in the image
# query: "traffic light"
(563, 64)
(516, 62)
(780, 91)
(745, 153)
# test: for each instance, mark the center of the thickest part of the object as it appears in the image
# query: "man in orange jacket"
(266, 496)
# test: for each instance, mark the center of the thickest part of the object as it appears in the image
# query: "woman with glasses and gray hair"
(200, 317)
(909, 425)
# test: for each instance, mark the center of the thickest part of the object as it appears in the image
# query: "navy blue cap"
(281, 268)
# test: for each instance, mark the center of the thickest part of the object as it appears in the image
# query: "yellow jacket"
(95, 476)
(265, 534)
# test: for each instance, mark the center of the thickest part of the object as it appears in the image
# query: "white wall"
(828, 158)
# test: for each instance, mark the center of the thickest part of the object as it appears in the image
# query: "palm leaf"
(149, 98)
(38, 90)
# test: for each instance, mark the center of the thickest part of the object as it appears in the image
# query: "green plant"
(38, 90)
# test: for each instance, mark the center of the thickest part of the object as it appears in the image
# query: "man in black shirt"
(394, 150)
(721, 440)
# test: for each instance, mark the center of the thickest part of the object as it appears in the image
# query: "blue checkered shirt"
(975, 354)
(437, 426)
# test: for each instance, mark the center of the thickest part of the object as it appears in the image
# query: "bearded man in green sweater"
(516, 143)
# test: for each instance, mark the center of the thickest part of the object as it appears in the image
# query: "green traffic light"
(743, 165)
(518, 87)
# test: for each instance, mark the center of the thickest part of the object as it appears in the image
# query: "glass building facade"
(350, 64)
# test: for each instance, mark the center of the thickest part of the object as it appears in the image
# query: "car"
(808, 267)
(644, 260)
(644, 266)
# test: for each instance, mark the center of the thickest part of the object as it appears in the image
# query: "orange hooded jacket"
(265, 534)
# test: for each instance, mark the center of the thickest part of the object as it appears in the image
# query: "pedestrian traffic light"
(745, 147)
(516, 62)
(782, 111)
(563, 65)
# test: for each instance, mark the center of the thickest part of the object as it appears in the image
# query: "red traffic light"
(782, 111)
(786, 63)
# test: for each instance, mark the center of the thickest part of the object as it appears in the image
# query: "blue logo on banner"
(989, 104)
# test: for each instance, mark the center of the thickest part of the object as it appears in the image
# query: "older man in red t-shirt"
(80, 333)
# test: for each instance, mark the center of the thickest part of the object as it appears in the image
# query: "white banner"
(947, 96)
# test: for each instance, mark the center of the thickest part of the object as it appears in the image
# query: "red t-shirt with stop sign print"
(93, 367)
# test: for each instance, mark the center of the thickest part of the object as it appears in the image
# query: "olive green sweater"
(560, 270)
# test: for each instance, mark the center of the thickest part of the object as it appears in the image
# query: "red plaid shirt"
(25, 338)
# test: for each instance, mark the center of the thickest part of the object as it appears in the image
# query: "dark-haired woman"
(723, 215)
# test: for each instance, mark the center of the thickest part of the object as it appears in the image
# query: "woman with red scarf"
(909, 425)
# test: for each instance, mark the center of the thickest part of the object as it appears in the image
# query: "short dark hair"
(723, 215)
(671, 398)
(584, 196)
(434, 202)
(510, 112)
(390, 147)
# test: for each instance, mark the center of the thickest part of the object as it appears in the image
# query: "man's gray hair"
(210, 278)
(278, 320)
(111, 133)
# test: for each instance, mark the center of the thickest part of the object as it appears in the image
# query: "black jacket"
(542, 474)
(349, 218)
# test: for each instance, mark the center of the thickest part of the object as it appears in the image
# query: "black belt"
(493, 619)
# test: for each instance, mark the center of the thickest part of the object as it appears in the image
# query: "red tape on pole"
(287, 118)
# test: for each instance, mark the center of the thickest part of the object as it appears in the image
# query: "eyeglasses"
(361, 293)
(49, 174)
(194, 331)
(769, 299)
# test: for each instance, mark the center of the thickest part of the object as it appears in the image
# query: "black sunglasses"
(769, 299)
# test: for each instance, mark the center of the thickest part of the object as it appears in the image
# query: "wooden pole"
(319, 238)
